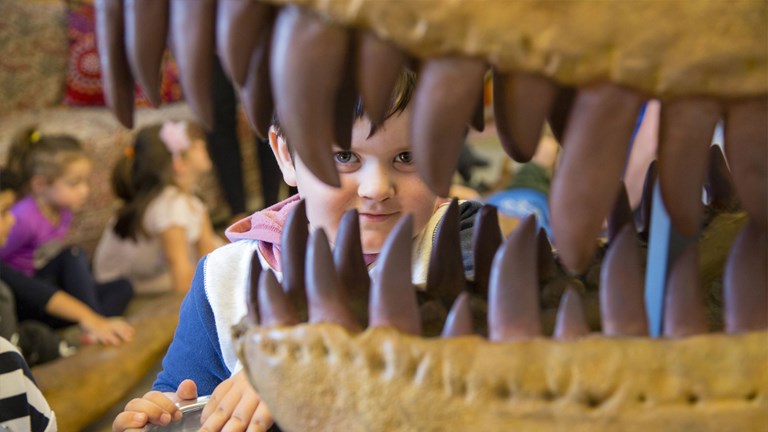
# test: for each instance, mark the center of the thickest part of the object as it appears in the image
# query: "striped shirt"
(22, 405)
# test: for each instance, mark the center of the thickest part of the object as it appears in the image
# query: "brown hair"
(401, 97)
(33, 154)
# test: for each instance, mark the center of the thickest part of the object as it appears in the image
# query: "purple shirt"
(31, 231)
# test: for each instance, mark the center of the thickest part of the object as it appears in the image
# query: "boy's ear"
(283, 156)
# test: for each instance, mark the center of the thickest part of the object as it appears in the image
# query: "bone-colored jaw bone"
(382, 376)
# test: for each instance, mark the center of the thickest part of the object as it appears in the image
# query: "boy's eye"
(345, 157)
(404, 157)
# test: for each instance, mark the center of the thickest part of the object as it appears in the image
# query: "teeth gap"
(642, 398)
(548, 395)
(502, 391)
(692, 399)
(752, 396)
(594, 401)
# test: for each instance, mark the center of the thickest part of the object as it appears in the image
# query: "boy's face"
(7, 197)
(378, 178)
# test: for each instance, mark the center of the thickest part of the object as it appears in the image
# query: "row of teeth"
(311, 70)
(334, 287)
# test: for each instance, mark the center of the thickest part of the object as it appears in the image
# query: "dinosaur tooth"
(239, 29)
(294, 247)
(565, 97)
(393, 298)
(346, 100)
(719, 186)
(459, 320)
(745, 281)
(571, 322)
(622, 303)
(192, 40)
(621, 214)
(443, 103)
(256, 92)
(683, 301)
(146, 30)
(685, 132)
(594, 151)
(309, 55)
(378, 66)
(521, 103)
(252, 300)
(746, 149)
(486, 238)
(275, 307)
(326, 296)
(116, 77)
(348, 258)
(445, 273)
(513, 292)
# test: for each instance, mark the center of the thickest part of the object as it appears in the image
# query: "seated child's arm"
(208, 240)
(154, 408)
(235, 404)
(174, 241)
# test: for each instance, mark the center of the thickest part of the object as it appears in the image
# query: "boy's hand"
(236, 405)
(155, 408)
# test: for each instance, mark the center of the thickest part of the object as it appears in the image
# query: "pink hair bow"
(174, 136)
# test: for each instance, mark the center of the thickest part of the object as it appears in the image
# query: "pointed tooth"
(253, 289)
(393, 298)
(545, 259)
(348, 258)
(683, 302)
(192, 39)
(745, 282)
(746, 148)
(346, 101)
(478, 117)
(720, 189)
(294, 246)
(594, 152)
(275, 308)
(146, 31)
(326, 296)
(440, 116)
(685, 132)
(239, 28)
(256, 92)
(571, 322)
(379, 63)
(621, 214)
(646, 200)
(521, 103)
(561, 111)
(622, 301)
(309, 55)
(459, 320)
(513, 295)
(115, 73)
(445, 276)
(486, 239)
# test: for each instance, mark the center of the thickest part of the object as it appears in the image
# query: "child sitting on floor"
(378, 178)
(52, 281)
(162, 228)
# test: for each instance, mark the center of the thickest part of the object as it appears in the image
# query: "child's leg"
(69, 270)
(114, 296)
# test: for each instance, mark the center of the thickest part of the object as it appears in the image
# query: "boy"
(378, 178)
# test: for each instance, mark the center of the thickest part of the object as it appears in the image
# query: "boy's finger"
(155, 411)
(187, 390)
(129, 420)
(213, 404)
(225, 405)
(243, 413)
(261, 419)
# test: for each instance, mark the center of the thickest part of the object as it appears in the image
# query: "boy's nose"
(376, 185)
